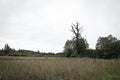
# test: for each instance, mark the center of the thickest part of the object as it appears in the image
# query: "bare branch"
(81, 29)
(73, 25)
(73, 30)
(77, 24)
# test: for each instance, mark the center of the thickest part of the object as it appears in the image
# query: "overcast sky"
(45, 25)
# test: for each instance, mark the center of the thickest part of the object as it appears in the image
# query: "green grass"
(41, 68)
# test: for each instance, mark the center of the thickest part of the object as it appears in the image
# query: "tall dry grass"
(35, 68)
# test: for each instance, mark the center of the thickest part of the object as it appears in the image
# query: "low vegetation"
(43, 68)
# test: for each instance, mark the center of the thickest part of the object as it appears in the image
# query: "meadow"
(51, 68)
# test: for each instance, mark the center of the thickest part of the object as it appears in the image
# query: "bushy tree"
(7, 49)
(103, 43)
(108, 47)
(69, 48)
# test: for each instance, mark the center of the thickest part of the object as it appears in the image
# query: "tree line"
(8, 51)
(106, 47)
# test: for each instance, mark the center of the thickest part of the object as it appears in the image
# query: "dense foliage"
(70, 48)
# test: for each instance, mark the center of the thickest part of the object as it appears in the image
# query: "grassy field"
(41, 68)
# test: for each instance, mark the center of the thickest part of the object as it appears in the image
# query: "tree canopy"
(108, 47)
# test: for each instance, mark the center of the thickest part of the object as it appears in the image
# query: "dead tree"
(76, 29)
